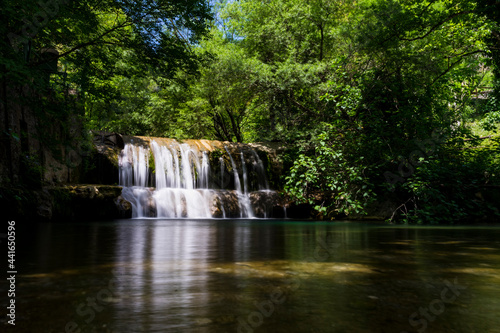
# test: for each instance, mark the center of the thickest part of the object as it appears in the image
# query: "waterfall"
(243, 198)
(245, 174)
(134, 172)
(261, 171)
(134, 165)
(221, 161)
(205, 171)
(168, 179)
(237, 183)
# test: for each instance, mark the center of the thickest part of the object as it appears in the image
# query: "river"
(153, 275)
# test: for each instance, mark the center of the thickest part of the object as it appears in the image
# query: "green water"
(255, 276)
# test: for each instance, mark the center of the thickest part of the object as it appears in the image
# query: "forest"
(374, 99)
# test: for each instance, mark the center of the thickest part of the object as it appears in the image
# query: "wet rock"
(267, 204)
(65, 203)
(216, 207)
(101, 164)
(124, 207)
(109, 139)
(229, 201)
(86, 202)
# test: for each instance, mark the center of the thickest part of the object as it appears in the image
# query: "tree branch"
(450, 67)
(89, 43)
(436, 26)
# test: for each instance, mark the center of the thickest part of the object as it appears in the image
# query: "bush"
(447, 189)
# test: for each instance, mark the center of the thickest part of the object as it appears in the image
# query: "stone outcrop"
(83, 202)
(101, 163)
(39, 146)
(267, 204)
(65, 203)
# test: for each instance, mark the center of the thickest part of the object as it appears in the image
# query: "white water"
(205, 171)
(221, 161)
(261, 171)
(178, 184)
(243, 198)
(134, 164)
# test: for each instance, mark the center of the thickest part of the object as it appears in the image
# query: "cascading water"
(180, 182)
(261, 171)
(133, 176)
(205, 171)
(221, 162)
(243, 198)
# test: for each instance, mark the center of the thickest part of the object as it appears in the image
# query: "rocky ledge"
(66, 203)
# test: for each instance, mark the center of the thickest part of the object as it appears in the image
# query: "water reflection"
(256, 276)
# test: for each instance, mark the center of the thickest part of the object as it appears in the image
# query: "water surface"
(256, 276)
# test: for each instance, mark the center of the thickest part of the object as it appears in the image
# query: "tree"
(415, 67)
(59, 56)
(229, 86)
(91, 37)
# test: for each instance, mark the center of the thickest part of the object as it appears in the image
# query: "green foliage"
(412, 69)
(451, 187)
(227, 89)
(329, 176)
(491, 115)
(112, 54)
